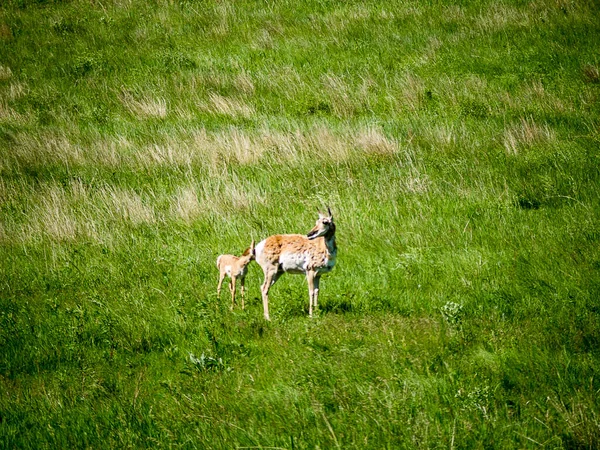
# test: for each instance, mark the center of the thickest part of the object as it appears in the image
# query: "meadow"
(457, 144)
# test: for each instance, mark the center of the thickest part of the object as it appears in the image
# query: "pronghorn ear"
(321, 215)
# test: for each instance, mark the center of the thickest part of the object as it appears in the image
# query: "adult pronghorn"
(234, 267)
(312, 255)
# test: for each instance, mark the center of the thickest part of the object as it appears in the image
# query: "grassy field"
(457, 144)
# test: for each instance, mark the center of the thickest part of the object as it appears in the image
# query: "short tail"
(218, 260)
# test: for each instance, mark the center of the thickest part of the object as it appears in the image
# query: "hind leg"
(221, 278)
(271, 276)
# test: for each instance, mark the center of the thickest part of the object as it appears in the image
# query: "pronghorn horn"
(329, 211)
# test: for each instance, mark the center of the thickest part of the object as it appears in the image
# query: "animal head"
(323, 227)
(250, 252)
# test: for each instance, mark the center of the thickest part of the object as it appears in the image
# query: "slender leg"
(316, 291)
(310, 278)
(232, 289)
(222, 276)
(271, 277)
(242, 281)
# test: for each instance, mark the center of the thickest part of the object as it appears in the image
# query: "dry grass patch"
(146, 107)
(49, 148)
(126, 205)
(7, 114)
(534, 96)
(322, 143)
(220, 195)
(244, 84)
(580, 416)
(111, 153)
(225, 13)
(262, 40)
(5, 73)
(591, 74)
(202, 148)
(340, 95)
(240, 145)
(169, 154)
(281, 146)
(525, 134)
(441, 135)
(372, 140)
(227, 106)
(242, 196)
(54, 216)
(295, 146)
(230, 146)
(15, 91)
(409, 92)
(416, 182)
(458, 92)
(498, 16)
(285, 80)
(5, 32)
(186, 205)
(339, 19)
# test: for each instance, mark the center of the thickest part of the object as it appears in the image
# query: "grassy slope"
(457, 146)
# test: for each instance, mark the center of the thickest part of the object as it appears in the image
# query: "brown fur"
(236, 268)
(312, 255)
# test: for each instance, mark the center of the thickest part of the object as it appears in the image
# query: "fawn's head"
(323, 227)
(249, 253)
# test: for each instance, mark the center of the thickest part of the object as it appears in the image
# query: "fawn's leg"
(242, 282)
(221, 277)
(232, 289)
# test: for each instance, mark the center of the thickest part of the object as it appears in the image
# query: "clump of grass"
(145, 107)
(230, 107)
(186, 204)
(591, 73)
(5, 73)
(525, 134)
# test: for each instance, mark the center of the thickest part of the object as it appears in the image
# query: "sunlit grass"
(456, 146)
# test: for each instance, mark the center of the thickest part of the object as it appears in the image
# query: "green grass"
(457, 146)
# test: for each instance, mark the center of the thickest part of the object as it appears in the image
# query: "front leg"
(316, 290)
(232, 289)
(310, 278)
(242, 282)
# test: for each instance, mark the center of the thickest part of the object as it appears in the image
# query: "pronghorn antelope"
(312, 255)
(234, 267)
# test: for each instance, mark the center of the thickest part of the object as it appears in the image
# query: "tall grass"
(456, 145)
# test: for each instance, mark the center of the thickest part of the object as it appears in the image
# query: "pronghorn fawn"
(235, 267)
(312, 255)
